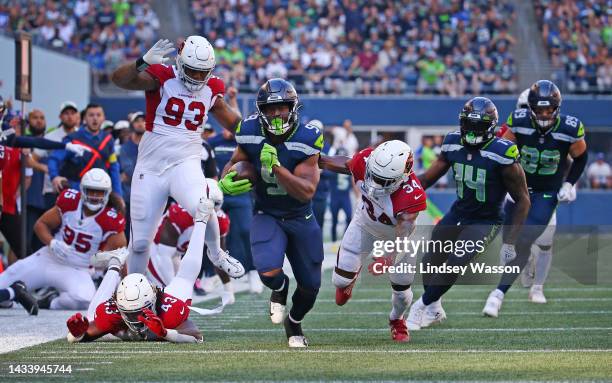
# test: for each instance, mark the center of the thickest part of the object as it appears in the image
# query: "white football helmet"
(387, 167)
(522, 102)
(196, 54)
(95, 179)
(214, 193)
(134, 294)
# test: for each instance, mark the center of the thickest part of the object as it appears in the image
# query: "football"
(244, 170)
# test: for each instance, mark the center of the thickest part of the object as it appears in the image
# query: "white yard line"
(92, 353)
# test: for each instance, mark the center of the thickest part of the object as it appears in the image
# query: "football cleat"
(295, 336)
(255, 285)
(536, 294)
(343, 294)
(278, 301)
(528, 273)
(493, 304)
(44, 299)
(434, 314)
(399, 331)
(23, 297)
(210, 284)
(415, 315)
(230, 265)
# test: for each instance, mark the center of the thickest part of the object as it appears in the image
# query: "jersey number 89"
(548, 160)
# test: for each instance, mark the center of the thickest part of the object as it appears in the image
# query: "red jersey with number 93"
(378, 215)
(175, 118)
(85, 235)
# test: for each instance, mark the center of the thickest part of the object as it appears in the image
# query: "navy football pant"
(335, 205)
(453, 228)
(299, 238)
(543, 206)
(319, 206)
(240, 212)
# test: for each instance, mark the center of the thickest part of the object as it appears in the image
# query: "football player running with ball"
(134, 309)
(391, 199)
(178, 100)
(485, 169)
(284, 153)
(544, 137)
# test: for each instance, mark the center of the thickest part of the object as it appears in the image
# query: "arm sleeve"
(37, 142)
(55, 160)
(577, 168)
(115, 175)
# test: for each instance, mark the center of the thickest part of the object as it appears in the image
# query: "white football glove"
(107, 258)
(59, 249)
(156, 54)
(77, 149)
(567, 193)
(205, 208)
(507, 254)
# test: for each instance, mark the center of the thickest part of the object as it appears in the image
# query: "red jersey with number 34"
(175, 118)
(378, 215)
(172, 311)
(85, 235)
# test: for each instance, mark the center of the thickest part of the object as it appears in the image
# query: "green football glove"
(231, 187)
(269, 157)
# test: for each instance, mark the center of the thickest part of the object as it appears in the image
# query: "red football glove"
(389, 260)
(153, 322)
(77, 325)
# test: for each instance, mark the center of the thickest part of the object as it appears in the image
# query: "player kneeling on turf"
(83, 224)
(139, 311)
(391, 198)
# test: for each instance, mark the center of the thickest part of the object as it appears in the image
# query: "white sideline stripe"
(340, 351)
(468, 329)
(472, 313)
(468, 300)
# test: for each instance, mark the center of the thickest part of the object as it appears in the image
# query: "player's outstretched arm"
(302, 183)
(336, 164)
(130, 76)
(437, 169)
(516, 184)
(227, 113)
(81, 330)
(406, 223)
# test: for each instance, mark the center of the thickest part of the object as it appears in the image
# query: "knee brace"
(276, 282)
(140, 246)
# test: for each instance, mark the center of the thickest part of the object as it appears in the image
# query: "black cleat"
(278, 301)
(23, 297)
(295, 336)
(44, 300)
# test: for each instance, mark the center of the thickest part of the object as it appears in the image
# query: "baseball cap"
(208, 127)
(106, 124)
(135, 115)
(121, 124)
(68, 105)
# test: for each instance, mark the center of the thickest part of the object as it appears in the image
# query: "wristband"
(141, 64)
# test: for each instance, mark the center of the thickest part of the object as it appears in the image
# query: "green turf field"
(568, 339)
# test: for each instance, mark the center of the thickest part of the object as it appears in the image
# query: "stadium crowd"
(578, 36)
(374, 47)
(103, 32)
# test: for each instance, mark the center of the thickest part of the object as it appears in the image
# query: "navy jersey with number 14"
(478, 174)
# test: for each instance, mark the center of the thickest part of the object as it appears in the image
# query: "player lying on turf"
(284, 153)
(391, 199)
(172, 240)
(545, 138)
(80, 224)
(134, 309)
(485, 169)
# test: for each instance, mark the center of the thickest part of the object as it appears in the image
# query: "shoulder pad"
(501, 150)
(570, 129)
(452, 142)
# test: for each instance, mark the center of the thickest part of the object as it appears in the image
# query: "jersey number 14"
(464, 175)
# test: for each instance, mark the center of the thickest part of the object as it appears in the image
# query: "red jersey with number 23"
(378, 215)
(175, 118)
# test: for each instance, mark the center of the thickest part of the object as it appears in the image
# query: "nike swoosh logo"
(183, 310)
(547, 196)
(419, 196)
(309, 215)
